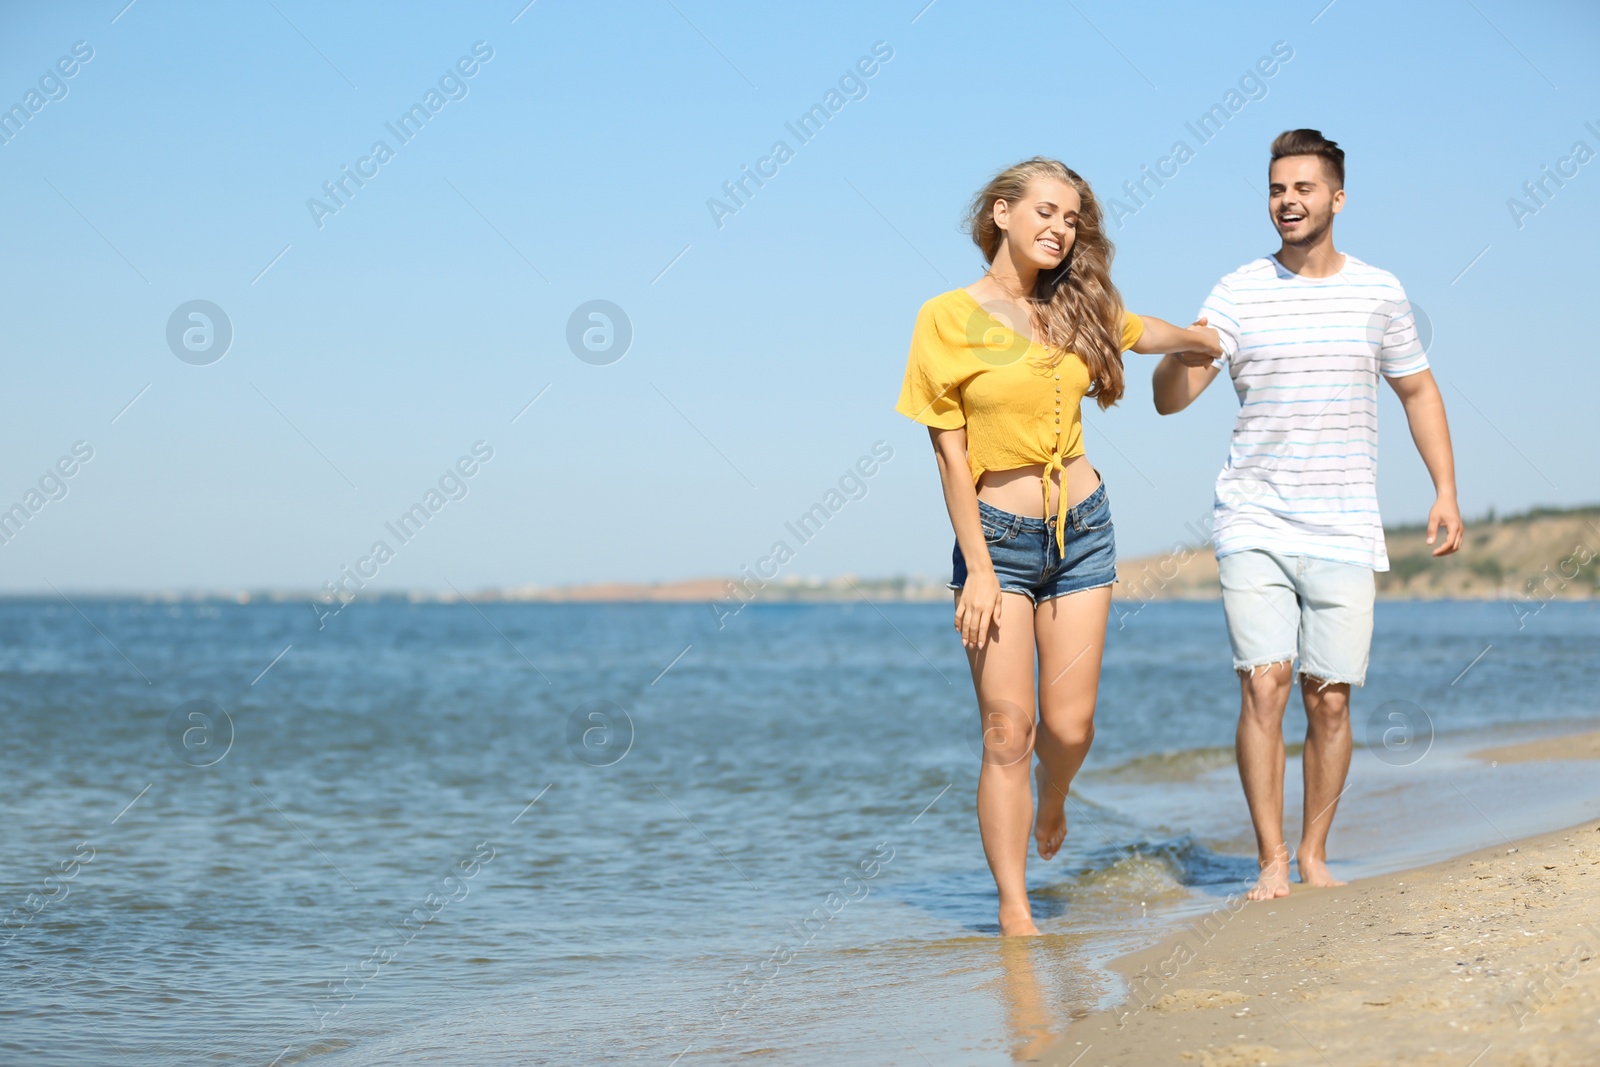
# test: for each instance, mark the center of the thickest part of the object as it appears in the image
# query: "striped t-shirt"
(1305, 355)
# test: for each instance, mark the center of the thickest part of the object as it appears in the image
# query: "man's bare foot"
(1050, 824)
(1274, 880)
(1017, 923)
(1314, 872)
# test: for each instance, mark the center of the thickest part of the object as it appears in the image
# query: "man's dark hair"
(1310, 143)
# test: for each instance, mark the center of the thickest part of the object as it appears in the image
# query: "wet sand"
(1576, 746)
(1489, 958)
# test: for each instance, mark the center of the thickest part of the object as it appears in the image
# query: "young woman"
(996, 372)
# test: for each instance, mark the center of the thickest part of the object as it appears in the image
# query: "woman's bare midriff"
(1017, 490)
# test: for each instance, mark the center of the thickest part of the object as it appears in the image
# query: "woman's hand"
(978, 608)
(978, 603)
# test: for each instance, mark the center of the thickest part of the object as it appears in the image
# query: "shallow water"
(592, 833)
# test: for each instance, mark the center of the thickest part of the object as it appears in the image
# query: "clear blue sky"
(766, 353)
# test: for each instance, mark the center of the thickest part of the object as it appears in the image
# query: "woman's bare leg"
(1002, 676)
(1070, 632)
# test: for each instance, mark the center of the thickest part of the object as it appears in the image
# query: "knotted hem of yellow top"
(1056, 462)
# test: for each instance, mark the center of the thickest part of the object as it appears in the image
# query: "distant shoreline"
(1545, 554)
(874, 592)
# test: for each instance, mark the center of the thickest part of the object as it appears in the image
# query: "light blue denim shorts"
(1284, 607)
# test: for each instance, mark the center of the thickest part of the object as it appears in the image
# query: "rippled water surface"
(594, 833)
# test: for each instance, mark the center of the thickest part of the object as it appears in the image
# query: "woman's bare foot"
(1274, 880)
(1017, 922)
(1050, 824)
(1314, 872)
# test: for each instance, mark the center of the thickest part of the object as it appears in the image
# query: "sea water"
(544, 833)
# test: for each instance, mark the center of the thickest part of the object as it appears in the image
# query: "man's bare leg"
(1326, 763)
(1264, 693)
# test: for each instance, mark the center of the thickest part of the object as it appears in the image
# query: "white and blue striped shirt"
(1305, 355)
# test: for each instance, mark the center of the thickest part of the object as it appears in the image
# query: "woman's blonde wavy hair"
(1079, 306)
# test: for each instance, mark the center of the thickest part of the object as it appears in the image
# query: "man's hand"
(1174, 383)
(1445, 513)
(1203, 358)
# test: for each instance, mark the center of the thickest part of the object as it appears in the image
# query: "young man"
(1306, 333)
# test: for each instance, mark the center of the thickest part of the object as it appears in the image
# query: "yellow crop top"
(968, 369)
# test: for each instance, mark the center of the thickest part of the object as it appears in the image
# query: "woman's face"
(1041, 226)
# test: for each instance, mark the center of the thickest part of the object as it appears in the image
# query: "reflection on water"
(1028, 1017)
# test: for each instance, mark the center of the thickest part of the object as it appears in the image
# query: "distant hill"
(1556, 549)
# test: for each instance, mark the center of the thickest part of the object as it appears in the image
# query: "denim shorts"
(1023, 550)
(1279, 604)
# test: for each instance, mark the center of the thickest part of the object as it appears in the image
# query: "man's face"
(1301, 199)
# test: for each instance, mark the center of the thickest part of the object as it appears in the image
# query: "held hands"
(978, 608)
(1445, 513)
(1208, 346)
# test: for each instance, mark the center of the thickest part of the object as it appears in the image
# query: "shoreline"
(711, 590)
(1495, 949)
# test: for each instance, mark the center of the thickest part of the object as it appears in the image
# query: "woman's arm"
(979, 602)
(1161, 337)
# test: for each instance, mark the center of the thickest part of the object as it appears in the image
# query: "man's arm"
(1196, 348)
(1179, 378)
(1419, 394)
(1183, 375)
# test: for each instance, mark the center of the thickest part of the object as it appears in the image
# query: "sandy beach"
(1572, 746)
(1492, 957)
